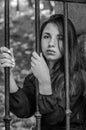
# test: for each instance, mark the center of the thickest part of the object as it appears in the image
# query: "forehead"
(51, 28)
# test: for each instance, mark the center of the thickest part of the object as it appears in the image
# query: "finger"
(5, 50)
(35, 55)
(33, 60)
(6, 58)
(32, 70)
(32, 64)
(5, 55)
(2, 61)
(42, 57)
(13, 58)
(6, 65)
(12, 52)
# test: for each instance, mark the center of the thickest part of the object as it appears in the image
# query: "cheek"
(43, 45)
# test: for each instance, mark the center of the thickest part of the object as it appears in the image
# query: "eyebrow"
(46, 33)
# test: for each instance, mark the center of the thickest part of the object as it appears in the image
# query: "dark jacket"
(52, 107)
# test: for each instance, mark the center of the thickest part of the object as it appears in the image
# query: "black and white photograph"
(42, 64)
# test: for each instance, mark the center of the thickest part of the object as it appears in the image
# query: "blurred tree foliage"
(22, 31)
(22, 40)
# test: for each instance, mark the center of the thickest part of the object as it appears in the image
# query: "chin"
(51, 58)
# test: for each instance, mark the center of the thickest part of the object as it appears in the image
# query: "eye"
(46, 36)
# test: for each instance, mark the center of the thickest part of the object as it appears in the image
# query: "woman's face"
(51, 42)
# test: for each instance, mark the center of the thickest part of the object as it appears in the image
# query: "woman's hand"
(41, 72)
(6, 57)
(7, 60)
(39, 67)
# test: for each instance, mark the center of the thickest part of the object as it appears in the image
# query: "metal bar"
(7, 69)
(72, 1)
(66, 58)
(17, 7)
(37, 35)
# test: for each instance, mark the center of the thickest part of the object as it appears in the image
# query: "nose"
(52, 42)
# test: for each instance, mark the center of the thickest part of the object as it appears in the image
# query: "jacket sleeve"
(53, 106)
(22, 102)
(51, 109)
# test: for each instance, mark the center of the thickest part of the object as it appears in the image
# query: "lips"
(51, 52)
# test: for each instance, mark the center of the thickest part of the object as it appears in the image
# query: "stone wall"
(77, 13)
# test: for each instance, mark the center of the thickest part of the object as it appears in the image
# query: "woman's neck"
(51, 64)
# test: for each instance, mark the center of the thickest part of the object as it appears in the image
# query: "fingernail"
(13, 60)
(8, 51)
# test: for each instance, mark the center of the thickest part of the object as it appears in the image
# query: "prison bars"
(37, 39)
(7, 69)
(37, 18)
(66, 59)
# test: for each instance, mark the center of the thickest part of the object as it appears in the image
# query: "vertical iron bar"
(17, 7)
(65, 4)
(37, 36)
(7, 69)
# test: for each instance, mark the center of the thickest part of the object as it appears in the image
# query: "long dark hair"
(58, 19)
(82, 50)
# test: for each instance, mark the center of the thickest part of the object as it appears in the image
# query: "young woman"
(48, 68)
